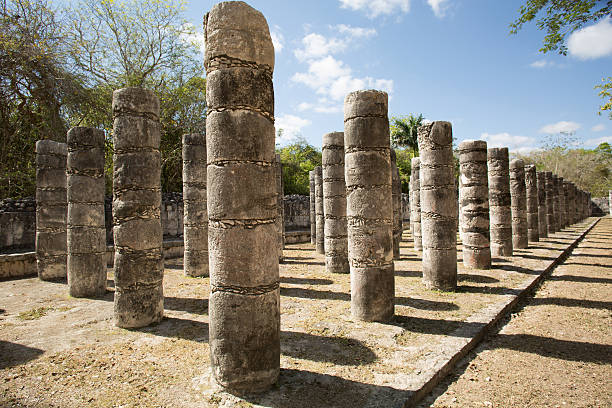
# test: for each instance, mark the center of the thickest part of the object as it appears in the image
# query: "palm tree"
(404, 132)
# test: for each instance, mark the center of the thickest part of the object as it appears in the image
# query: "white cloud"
(357, 32)
(439, 7)
(316, 46)
(597, 141)
(292, 126)
(277, 39)
(591, 42)
(374, 8)
(560, 127)
(304, 106)
(541, 64)
(598, 128)
(515, 143)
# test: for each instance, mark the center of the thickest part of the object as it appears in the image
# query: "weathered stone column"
(313, 214)
(500, 212)
(474, 204)
(550, 203)
(195, 212)
(542, 209)
(588, 204)
(396, 197)
(566, 203)
(319, 210)
(579, 205)
(51, 209)
(415, 204)
(531, 186)
(571, 208)
(556, 203)
(438, 206)
(86, 231)
(610, 201)
(280, 228)
(334, 204)
(519, 204)
(244, 303)
(369, 205)
(139, 266)
(562, 211)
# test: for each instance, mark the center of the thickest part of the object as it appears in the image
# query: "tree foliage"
(404, 131)
(298, 159)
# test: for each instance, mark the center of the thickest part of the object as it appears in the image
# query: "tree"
(298, 159)
(404, 131)
(560, 18)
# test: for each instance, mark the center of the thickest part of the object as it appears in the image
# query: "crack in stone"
(244, 290)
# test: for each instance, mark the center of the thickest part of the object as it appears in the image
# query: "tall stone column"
(139, 266)
(588, 204)
(571, 208)
(610, 201)
(396, 197)
(562, 211)
(579, 206)
(244, 303)
(313, 214)
(369, 205)
(500, 212)
(51, 209)
(542, 208)
(531, 185)
(566, 203)
(195, 211)
(556, 203)
(474, 204)
(438, 206)
(550, 203)
(415, 204)
(334, 204)
(86, 231)
(319, 210)
(280, 228)
(518, 198)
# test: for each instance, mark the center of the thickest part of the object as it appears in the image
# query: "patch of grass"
(35, 313)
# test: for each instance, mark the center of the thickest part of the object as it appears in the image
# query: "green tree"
(298, 159)
(560, 18)
(404, 131)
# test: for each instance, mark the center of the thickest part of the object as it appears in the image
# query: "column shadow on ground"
(490, 290)
(14, 354)
(519, 269)
(585, 279)
(594, 264)
(305, 281)
(569, 302)
(466, 277)
(303, 262)
(435, 326)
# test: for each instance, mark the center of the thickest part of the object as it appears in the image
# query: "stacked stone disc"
(474, 204)
(550, 203)
(566, 204)
(542, 208)
(195, 212)
(415, 204)
(500, 213)
(438, 206)
(86, 231)
(518, 200)
(139, 267)
(51, 206)
(319, 211)
(280, 228)
(334, 202)
(313, 216)
(531, 186)
(396, 197)
(556, 202)
(610, 201)
(561, 195)
(369, 205)
(244, 303)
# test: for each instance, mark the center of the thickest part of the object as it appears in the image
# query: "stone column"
(531, 185)
(139, 265)
(500, 212)
(474, 204)
(369, 205)
(415, 204)
(396, 197)
(51, 209)
(313, 214)
(571, 203)
(86, 231)
(334, 204)
(438, 206)
(550, 203)
(542, 209)
(610, 201)
(556, 203)
(562, 211)
(319, 210)
(566, 203)
(518, 198)
(588, 204)
(195, 212)
(280, 204)
(244, 303)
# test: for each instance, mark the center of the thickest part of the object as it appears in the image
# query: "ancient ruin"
(195, 215)
(319, 210)
(438, 206)
(542, 206)
(313, 214)
(500, 213)
(86, 231)
(244, 303)
(334, 203)
(396, 197)
(280, 227)
(369, 205)
(550, 203)
(415, 204)
(474, 204)
(518, 198)
(531, 186)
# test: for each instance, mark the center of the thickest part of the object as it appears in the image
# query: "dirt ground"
(556, 350)
(58, 351)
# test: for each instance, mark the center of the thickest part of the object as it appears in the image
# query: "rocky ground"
(57, 351)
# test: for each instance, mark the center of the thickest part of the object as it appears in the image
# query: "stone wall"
(297, 212)
(600, 206)
(17, 224)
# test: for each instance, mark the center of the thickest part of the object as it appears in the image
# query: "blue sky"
(450, 60)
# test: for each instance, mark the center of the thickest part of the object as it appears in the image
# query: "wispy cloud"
(316, 46)
(439, 7)
(291, 125)
(375, 8)
(515, 143)
(560, 127)
(356, 32)
(277, 39)
(598, 128)
(594, 142)
(592, 42)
